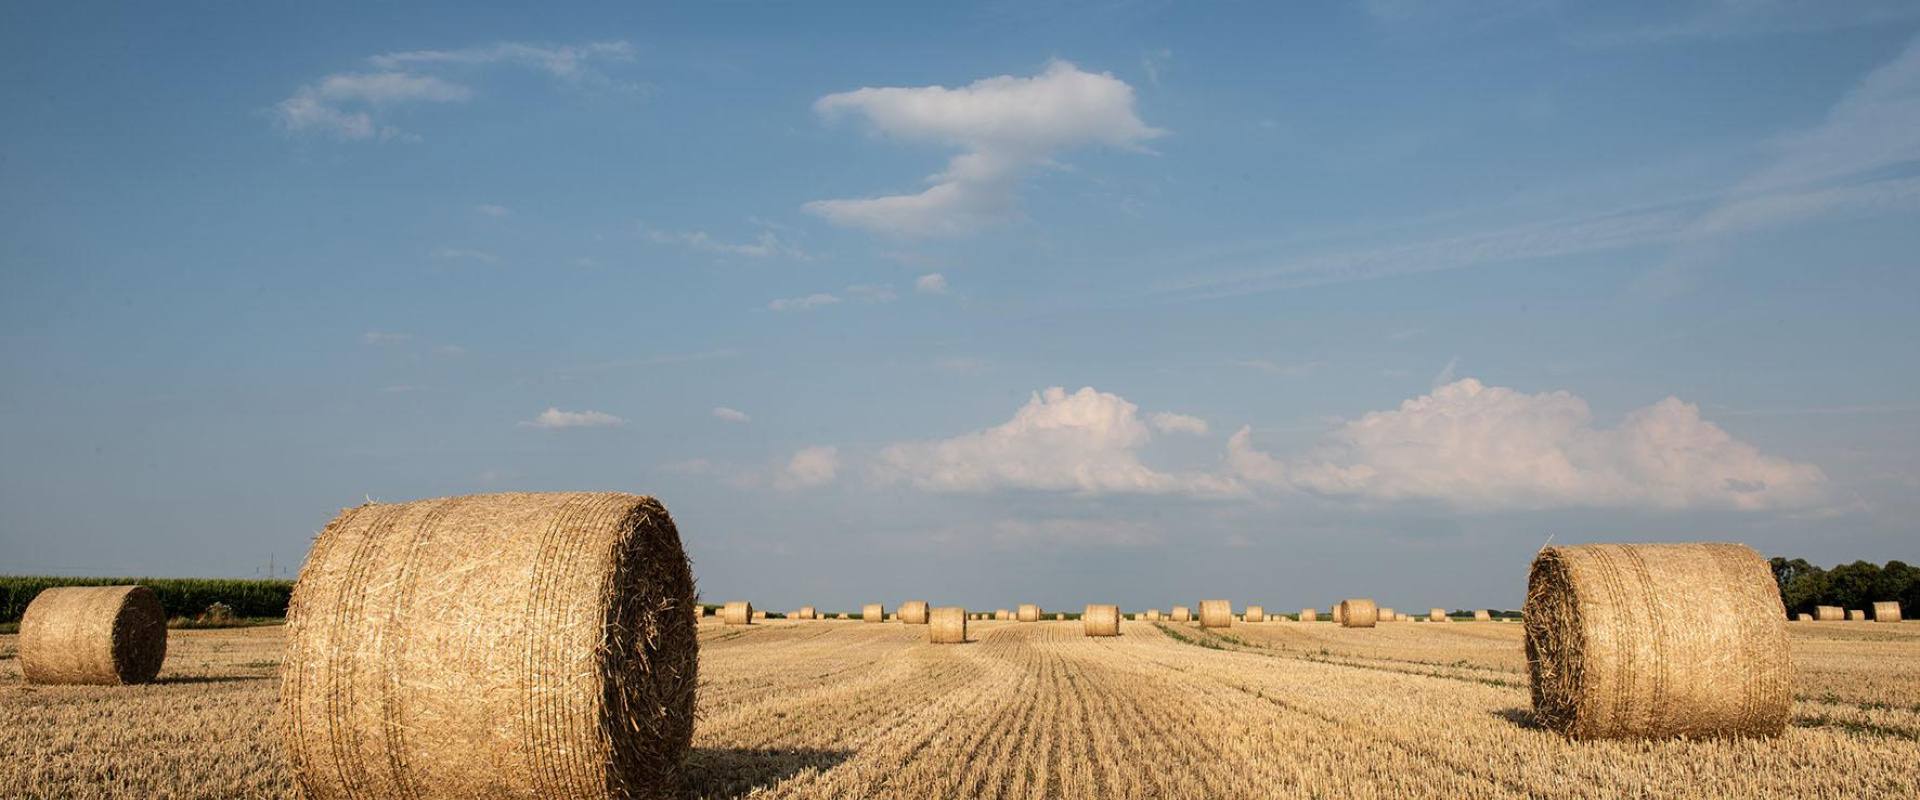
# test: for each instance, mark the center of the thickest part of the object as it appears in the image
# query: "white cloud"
(1480, 447)
(1087, 442)
(1169, 422)
(810, 467)
(932, 283)
(458, 254)
(570, 62)
(766, 245)
(383, 339)
(388, 88)
(730, 415)
(555, 418)
(1004, 126)
(491, 210)
(807, 303)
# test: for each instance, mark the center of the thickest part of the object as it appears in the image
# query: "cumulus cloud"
(1086, 442)
(1003, 126)
(555, 418)
(730, 415)
(1169, 422)
(810, 467)
(932, 283)
(1481, 447)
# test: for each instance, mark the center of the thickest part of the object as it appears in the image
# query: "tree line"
(1851, 586)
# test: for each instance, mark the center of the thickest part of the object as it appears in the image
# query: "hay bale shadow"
(716, 773)
(1521, 717)
(215, 678)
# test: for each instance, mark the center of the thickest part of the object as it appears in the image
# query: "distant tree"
(1802, 585)
(1853, 584)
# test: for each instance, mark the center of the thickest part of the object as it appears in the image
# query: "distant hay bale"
(1856, 615)
(737, 613)
(1339, 614)
(1309, 615)
(873, 612)
(1358, 612)
(1099, 620)
(947, 625)
(1803, 618)
(1657, 640)
(98, 635)
(808, 612)
(845, 615)
(1255, 614)
(1403, 617)
(759, 616)
(1060, 616)
(914, 612)
(1002, 615)
(1483, 615)
(1180, 614)
(1437, 615)
(1886, 611)
(1029, 613)
(1386, 615)
(507, 645)
(1216, 614)
(1829, 613)
(1153, 615)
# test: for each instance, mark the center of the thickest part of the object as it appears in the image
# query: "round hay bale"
(1657, 640)
(1856, 615)
(1002, 615)
(98, 635)
(1180, 614)
(739, 612)
(1483, 615)
(1886, 611)
(1386, 615)
(1060, 616)
(914, 612)
(1403, 617)
(1309, 615)
(845, 615)
(873, 612)
(1803, 618)
(1029, 613)
(1437, 615)
(1339, 614)
(1216, 614)
(506, 645)
(808, 612)
(1101, 620)
(1256, 614)
(1829, 613)
(947, 625)
(1357, 612)
(759, 616)
(1153, 615)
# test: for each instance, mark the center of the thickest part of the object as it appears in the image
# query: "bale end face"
(93, 635)
(1600, 667)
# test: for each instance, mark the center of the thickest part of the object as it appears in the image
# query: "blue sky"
(1020, 302)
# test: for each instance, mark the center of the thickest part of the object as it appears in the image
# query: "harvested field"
(827, 710)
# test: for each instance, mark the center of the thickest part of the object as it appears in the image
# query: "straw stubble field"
(846, 709)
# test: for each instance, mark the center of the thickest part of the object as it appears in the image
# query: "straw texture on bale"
(1099, 620)
(1256, 614)
(1803, 618)
(1216, 614)
(506, 645)
(1029, 613)
(1358, 612)
(96, 635)
(1829, 613)
(739, 612)
(873, 612)
(1483, 615)
(1657, 640)
(1856, 615)
(1180, 614)
(914, 612)
(1886, 611)
(947, 625)
(807, 612)
(1309, 615)
(1339, 614)
(1002, 615)
(1437, 615)
(1386, 615)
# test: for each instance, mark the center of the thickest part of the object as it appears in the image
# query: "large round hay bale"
(873, 612)
(947, 625)
(1437, 615)
(507, 645)
(1829, 613)
(1309, 615)
(807, 612)
(739, 612)
(1029, 613)
(914, 612)
(1856, 615)
(1180, 614)
(1216, 614)
(1483, 615)
(1099, 620)
(1256, 614)
(1358, 612)
(1657, 640)
(1886, 611)
(93, 635)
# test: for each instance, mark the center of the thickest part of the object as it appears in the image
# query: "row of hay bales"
(1888, 611)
